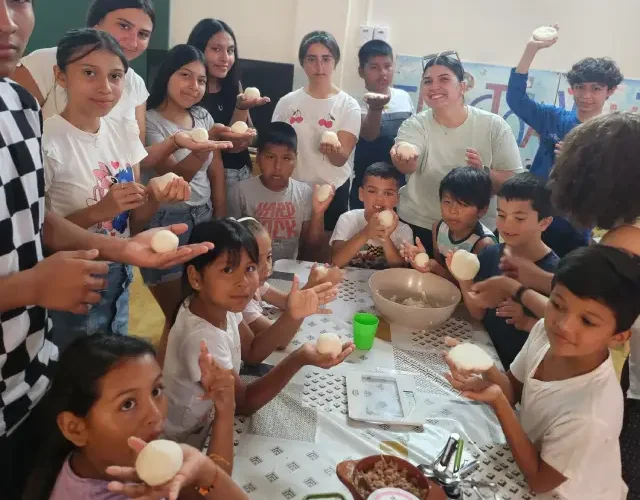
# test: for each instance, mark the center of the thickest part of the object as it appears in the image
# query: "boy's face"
(591, 96)
(16, 25)
(378, 194)
(276, 162)
(579, 327)
(457, 214)
(378, 74)
(518, 222)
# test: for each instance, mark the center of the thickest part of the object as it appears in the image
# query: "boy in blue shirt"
(592, 82)
(524, 212)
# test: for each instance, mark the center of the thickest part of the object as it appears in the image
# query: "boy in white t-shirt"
(566, 440)
(382, 115)
(361, 238)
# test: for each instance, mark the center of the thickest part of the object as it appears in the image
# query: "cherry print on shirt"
(296, 117)
(327, 121)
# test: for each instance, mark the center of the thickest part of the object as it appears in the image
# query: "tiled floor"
(146, 318)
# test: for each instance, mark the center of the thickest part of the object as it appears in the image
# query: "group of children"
(106, 143)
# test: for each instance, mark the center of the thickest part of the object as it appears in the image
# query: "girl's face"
(131, 403)
(440, 87)
(131, 27)
(94, 83)
(265, 266)
(318, 63)
(187, 85)
(220, 54)
(225, 286)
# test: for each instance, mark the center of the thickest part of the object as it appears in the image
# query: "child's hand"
(522, 270)
(558, 148)
(219, 384)
(243, 103)
(388, 231)
(409, 252)
(122, 197)
(303, 303)
(184, 141)
(196, 469)
(374, 229)
(377, 101)
(320, 207)
(334, 275)
(473, 158)
(515, 315)
(177, 191)
(543, 44)
(311, 356)
(489, 293)
(471, 384)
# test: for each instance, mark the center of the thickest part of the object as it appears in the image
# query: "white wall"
(489, 31)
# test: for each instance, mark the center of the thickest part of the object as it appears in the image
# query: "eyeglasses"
(446, 53)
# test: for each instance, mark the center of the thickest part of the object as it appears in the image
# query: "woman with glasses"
(447, 135)
(321, 107)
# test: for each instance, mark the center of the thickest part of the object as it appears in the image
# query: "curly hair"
(599, 70)
(596, 180)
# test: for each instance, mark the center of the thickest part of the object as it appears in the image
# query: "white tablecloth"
(290, 448)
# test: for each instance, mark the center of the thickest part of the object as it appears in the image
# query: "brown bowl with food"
(363, 477)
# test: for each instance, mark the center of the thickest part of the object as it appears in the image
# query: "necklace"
(446, 130)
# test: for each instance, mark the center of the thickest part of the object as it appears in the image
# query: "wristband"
(205, 490)
(517, 297)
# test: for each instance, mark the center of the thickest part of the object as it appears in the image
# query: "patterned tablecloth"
(290, 448)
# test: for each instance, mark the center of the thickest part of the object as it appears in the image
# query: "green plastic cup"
(365, 326)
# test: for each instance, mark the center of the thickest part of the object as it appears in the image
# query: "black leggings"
(630, 439)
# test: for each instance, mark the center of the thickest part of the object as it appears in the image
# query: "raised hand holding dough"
(239, 127)
(329, 137)
(470, 357)
(329, 343)
(159, 461)
(323, 192)
(199, 134)
(465, 265)
(164, 241)
(545, 33)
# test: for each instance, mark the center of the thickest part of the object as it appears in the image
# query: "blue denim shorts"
(183, 214)
(110, 315)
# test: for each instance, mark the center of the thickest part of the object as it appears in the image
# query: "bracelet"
(517, 297)
(217, 459)
(208, 489)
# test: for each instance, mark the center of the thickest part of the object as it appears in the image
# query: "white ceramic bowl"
(405, 283)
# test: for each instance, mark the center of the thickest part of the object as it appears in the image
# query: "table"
(290, 448)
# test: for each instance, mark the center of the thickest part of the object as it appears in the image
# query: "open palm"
(138, 251)
(303, 303)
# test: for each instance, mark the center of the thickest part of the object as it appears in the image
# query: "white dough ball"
(329, 343)
(252, 93)
(163, 181)
(386, 218)
(406, 151)
(159, 461)
(200, 134)
(164, 241)
(323, 192)
(465, 265)
(239, 127)
(373, 95)
(422, 259)
(321, 271)
(545, 33)
(470, 357)
(330, 137)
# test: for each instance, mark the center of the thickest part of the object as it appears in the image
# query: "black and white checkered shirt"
(26, 355)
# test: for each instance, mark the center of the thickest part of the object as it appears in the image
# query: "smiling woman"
(131, 23)
(447, 135)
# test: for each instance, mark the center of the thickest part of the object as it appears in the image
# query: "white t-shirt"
(310, 117)
(371, 255)
(575, 423)
(189, 418)
(79, 167)
(442, 149)
(254, 308)
(40, 64)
